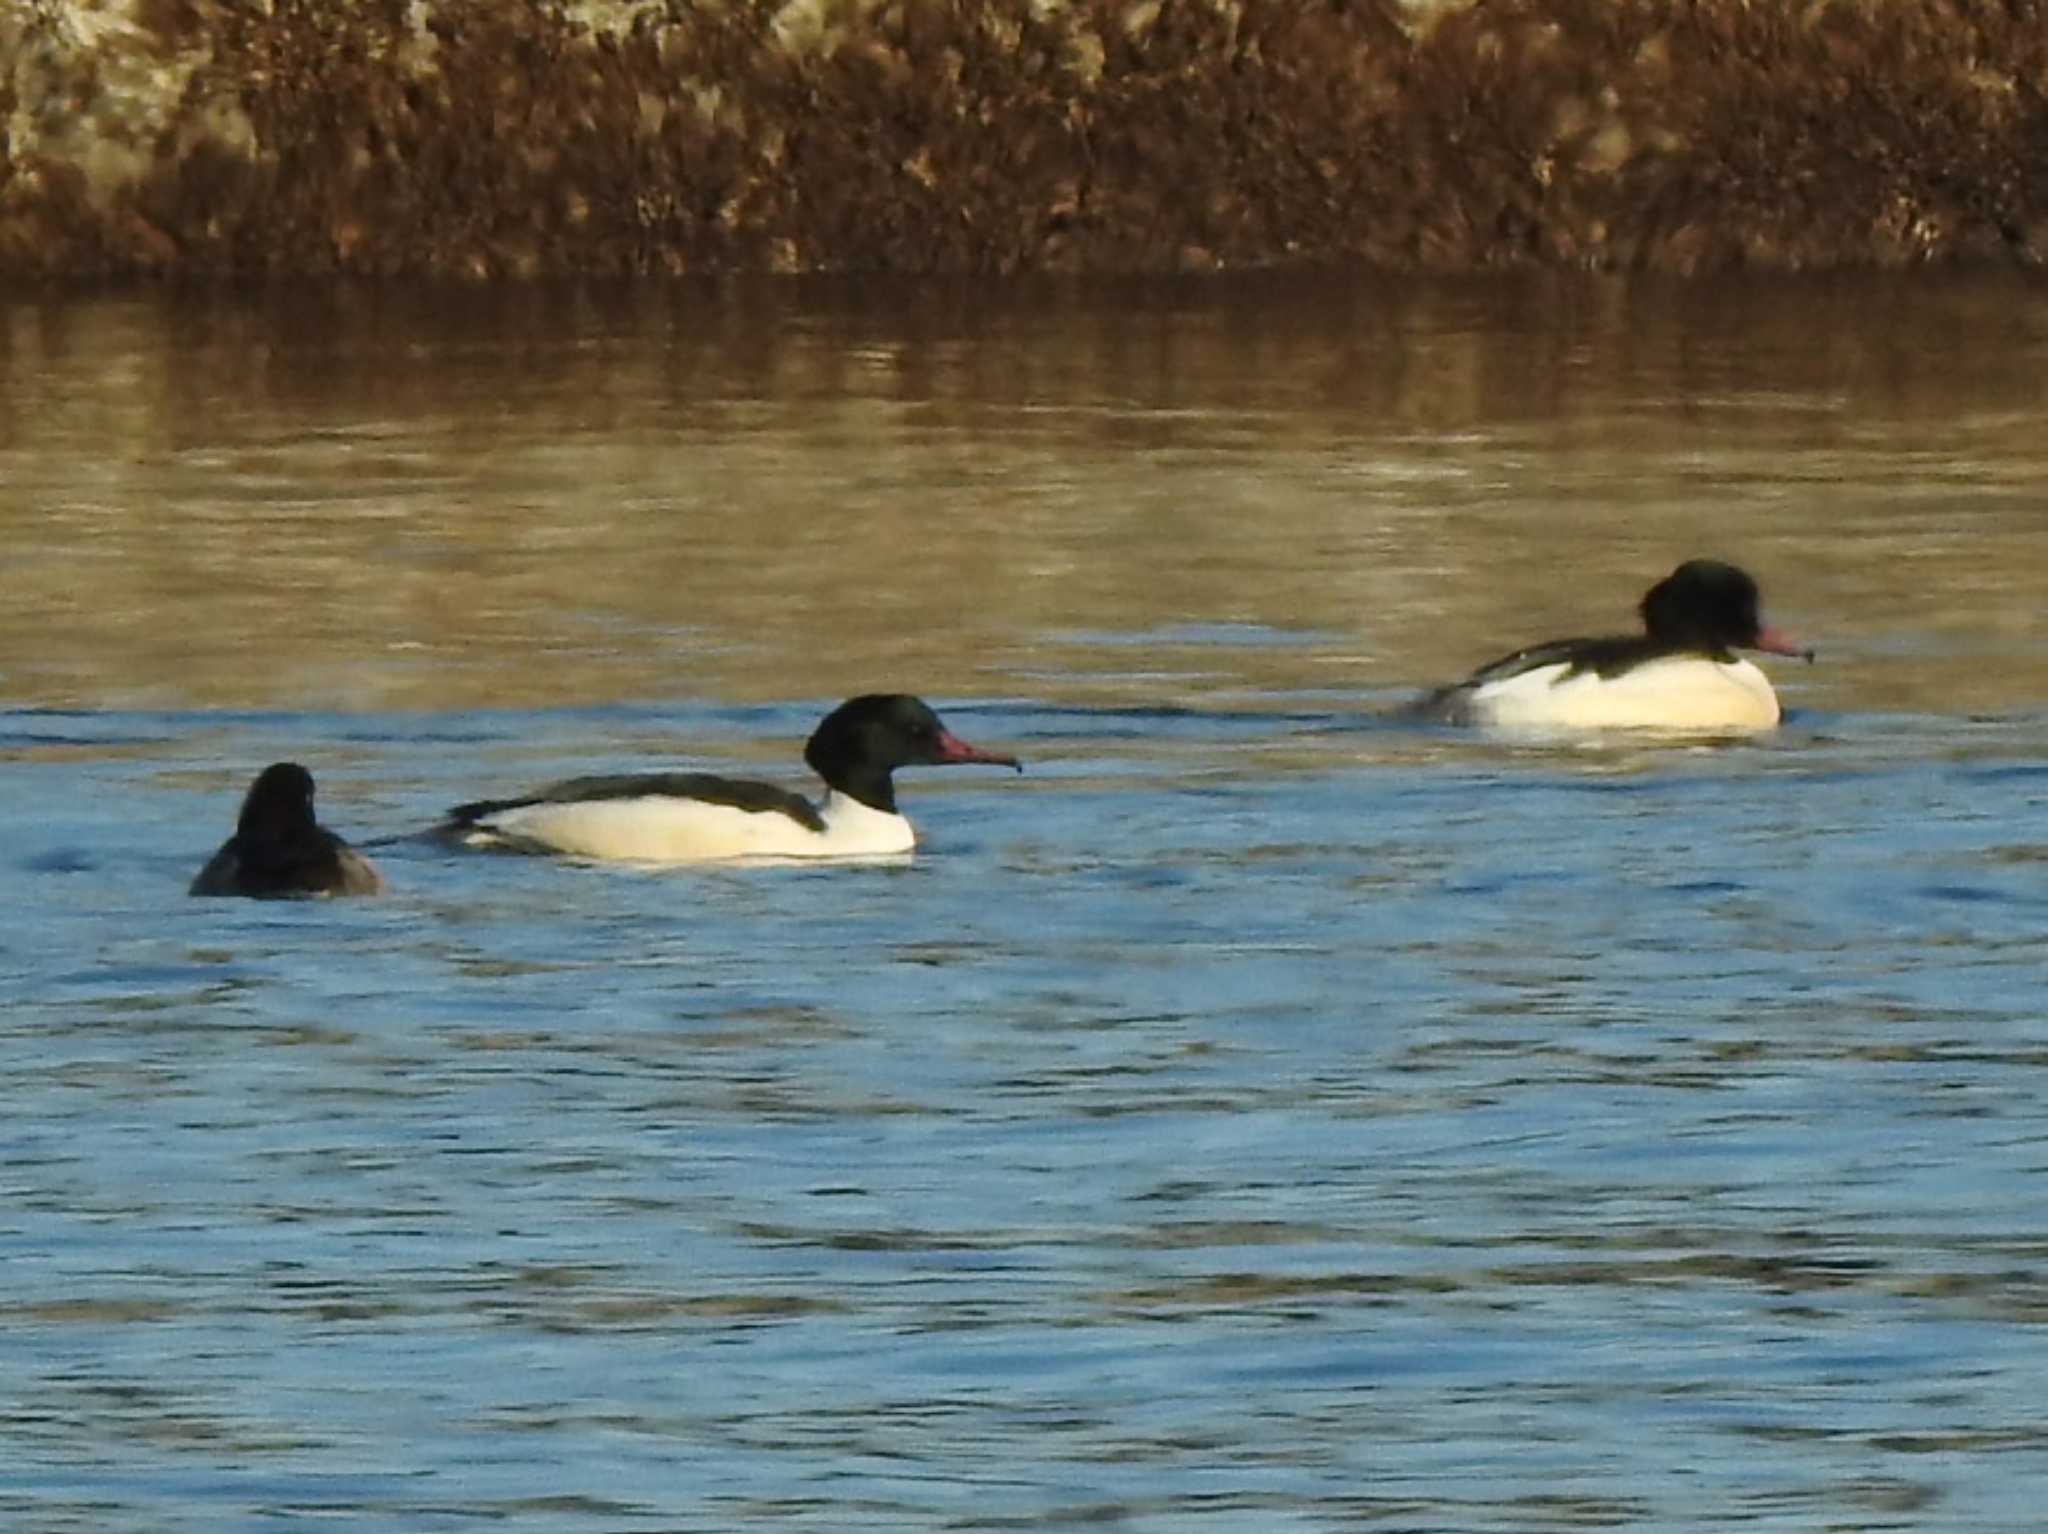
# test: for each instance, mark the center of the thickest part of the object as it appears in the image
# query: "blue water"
(1509, 1139)
(1259, 1115)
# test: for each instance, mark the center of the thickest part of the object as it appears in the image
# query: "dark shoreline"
(494, 139)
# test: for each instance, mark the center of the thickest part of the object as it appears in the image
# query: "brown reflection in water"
(429, 499)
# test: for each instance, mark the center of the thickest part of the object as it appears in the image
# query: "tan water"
(425, 501)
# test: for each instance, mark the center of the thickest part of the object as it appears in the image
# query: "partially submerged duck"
(1680, 673)
(279, 850)
(692, 817)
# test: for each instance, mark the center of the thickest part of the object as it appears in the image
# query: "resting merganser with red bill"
(695, 817)
(1680, 673)
(279, 850)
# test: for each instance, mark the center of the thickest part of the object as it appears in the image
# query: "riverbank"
(199, 140)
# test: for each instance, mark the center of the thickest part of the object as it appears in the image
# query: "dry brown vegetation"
(506, 139)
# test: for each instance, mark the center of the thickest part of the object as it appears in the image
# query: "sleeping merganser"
(1680, 673)
(279, 850)
(691, 817)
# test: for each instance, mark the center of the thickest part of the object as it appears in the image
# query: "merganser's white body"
(1683, 693)
(667, 828)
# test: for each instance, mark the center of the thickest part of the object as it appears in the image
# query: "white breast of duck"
(1692, 693)
(652, 825)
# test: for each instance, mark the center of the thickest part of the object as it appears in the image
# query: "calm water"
(1258, 1116)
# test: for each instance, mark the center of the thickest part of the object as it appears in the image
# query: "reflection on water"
(1258, 1113)
(375, 500)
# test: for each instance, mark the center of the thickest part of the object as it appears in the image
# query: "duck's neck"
(854, 829)
(873, 787)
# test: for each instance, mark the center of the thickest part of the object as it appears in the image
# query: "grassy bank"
(502, 138)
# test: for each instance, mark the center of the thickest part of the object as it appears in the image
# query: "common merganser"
(280, 850)
(1680, 673)
(691, 817)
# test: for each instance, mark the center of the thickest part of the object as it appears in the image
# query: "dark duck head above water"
(1680, 673)
(687, 817)
(859, 745)
(1710, 608)
(279, 849)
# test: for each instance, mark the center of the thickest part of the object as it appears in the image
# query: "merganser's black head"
(1707, 605)
(865, 739)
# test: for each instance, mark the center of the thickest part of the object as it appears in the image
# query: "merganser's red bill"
(953, 749)
(1778, 642)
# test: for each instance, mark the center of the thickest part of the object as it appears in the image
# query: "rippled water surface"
(1259, 1115)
